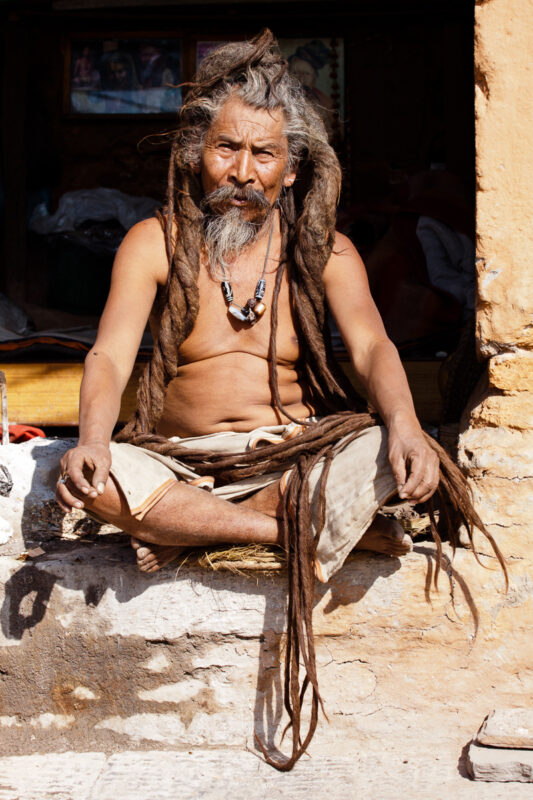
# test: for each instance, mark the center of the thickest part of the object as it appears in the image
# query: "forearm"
(384, 378)
(100, 395)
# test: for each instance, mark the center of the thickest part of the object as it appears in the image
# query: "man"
(242, 402)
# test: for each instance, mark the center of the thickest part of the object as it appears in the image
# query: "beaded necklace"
(254, 308)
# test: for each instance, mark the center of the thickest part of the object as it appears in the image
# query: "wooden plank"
(48, 394)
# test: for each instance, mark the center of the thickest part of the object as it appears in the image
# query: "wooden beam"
(48, 394)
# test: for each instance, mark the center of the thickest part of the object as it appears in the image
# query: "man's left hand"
(414, 464)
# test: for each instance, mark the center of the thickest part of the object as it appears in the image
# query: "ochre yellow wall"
(497, 447)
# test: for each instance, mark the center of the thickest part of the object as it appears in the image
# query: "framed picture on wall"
(123, 75)
(318, 63)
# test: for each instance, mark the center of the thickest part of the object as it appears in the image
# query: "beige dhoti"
(360, 481)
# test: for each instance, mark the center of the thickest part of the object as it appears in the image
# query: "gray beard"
(227, 233)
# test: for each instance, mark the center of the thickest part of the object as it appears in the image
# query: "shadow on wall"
(269, 702)
(42, 524)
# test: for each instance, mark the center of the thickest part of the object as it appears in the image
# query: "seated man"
(242, 401)
(243, 167)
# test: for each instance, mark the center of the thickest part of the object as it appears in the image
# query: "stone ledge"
(503, 766)
(96, 655)
(165, 774)
(212, 775)
(191, 658)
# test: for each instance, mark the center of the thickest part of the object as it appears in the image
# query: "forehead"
(243, 122)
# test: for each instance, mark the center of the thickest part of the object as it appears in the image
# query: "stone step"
(500, 764)
(97, 658)
(161, 775)
(508, 727)
(240, 775)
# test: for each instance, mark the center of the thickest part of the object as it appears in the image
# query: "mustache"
(216, 201)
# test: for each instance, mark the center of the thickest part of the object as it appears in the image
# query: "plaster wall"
(497, 446)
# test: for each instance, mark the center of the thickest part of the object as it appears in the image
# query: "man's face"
(148, 53)
(119, 74)
(303, 71)
(246, 148)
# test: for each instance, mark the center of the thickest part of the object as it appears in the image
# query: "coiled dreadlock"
(257, 73)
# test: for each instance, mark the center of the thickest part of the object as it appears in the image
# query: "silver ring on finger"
(63, 478)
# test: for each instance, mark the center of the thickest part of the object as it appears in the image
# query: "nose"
(242, 172)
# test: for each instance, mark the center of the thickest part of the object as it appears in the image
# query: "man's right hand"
(76, 465)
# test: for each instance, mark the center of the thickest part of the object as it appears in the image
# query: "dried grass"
(417, 525)
(242, 558)
(263, 558)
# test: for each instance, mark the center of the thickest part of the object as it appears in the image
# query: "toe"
(143, 553)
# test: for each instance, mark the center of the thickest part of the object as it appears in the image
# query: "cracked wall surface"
(497, 446)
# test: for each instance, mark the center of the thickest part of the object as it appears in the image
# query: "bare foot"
(151, 557)
(386, 536)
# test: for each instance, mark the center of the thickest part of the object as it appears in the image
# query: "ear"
(289, 179)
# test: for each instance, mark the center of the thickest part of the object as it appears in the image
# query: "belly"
(228, 392)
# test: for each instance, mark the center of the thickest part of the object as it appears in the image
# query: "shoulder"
(343, 246)
(344, 259)
(143, 247)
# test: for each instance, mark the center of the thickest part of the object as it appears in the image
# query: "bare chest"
(216, 332)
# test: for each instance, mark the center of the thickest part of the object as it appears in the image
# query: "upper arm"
(350, 301)
(140, 266)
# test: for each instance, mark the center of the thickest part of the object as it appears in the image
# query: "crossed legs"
(187, 516)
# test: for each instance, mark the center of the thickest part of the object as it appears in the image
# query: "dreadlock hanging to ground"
(257, 74)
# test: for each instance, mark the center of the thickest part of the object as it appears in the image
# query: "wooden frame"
(122, 75)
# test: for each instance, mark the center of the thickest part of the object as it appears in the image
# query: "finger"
(426, 485)
(100, 476)
(399, 471)
(432, 482)
(428, 490)
(417, 469)
(65, 496)
(61, 504)
(76, 476)
(432, 479)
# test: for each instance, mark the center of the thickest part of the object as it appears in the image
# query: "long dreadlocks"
(256, 72)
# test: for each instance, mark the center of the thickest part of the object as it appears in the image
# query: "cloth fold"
(360, 480)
